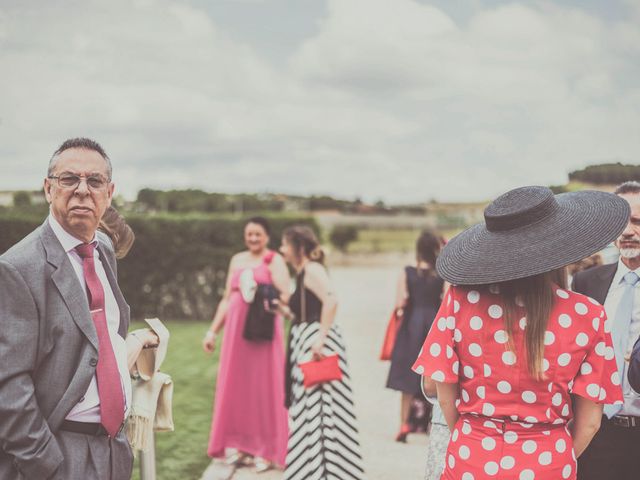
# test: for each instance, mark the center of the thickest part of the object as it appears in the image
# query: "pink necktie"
(107, 373)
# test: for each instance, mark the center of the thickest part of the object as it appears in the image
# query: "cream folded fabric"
(150, 409)
(248, 285)
(151, 405)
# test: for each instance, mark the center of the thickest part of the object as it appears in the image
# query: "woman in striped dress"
(323, 438)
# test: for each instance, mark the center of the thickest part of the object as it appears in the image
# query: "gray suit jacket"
(48, 349)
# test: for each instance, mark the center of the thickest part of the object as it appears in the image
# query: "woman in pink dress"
(249, 417)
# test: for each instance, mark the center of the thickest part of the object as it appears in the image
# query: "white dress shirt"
(631, 398)
(88, 408)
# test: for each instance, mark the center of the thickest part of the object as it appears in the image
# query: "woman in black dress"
(417, 302)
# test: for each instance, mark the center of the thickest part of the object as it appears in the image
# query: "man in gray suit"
(64, 382)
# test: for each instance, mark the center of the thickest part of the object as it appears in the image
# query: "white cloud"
(526, 93)
(388, 98)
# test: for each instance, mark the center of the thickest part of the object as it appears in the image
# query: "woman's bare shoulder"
(238, 259)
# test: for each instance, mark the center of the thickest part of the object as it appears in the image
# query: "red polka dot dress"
(512, 426)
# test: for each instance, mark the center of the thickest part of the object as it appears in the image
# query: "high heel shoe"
(235, 458)
(261, 465)
(401, 437)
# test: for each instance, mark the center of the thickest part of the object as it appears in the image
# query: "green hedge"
(15, 225)
(178, 264)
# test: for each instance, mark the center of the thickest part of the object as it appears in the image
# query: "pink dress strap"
(268, 257)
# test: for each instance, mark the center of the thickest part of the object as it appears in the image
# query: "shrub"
(177, 267)
(342, 235)
(21, 199)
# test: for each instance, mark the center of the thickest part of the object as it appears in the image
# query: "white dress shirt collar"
(68, 241)
(621, 271)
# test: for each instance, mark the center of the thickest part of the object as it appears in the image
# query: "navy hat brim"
(586, 222)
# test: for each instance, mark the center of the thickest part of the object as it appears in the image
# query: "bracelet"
(210, 334)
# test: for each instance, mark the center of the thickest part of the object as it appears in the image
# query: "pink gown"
(249, 412)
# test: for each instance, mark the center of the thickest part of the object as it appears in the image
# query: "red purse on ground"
(390, 336)
(320, 371)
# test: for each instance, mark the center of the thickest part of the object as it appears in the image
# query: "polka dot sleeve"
(598, 378)
(438, 358)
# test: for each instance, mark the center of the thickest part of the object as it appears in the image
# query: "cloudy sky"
(401, 100)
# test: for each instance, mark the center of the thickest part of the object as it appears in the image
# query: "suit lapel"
(602, 282)
(66, 281)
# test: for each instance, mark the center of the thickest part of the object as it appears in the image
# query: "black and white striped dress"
(323, 436)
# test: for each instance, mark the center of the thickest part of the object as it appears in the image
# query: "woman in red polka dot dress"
(523, 365)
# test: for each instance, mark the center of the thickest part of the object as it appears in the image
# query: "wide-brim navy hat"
(529, 231)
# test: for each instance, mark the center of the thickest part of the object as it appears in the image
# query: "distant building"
(7, 197)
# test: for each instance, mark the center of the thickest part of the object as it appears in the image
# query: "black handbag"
(260, 322)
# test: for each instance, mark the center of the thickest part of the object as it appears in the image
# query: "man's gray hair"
(627, 187)
(80, 142)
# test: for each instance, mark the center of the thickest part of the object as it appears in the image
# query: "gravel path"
(366, 297)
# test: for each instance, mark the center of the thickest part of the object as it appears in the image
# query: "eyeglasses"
(69, 180)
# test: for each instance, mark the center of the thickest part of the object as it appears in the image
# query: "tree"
(21, 199)
(342, 235)
(608, 173)
(559, 189)
(151, 199)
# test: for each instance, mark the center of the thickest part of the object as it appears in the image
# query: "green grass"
(181, 455)
(574, 186)
(389, 240)
(383, 241)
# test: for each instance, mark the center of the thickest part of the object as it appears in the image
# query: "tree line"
(606, 174)
(194, 200)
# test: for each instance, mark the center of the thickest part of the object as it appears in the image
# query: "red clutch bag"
(390, 336)
(320, 371)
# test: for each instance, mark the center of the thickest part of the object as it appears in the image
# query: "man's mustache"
(633, 239)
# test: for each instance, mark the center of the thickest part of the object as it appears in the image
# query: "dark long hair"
(304, 242)
(428, 248)
(263, 222)
(537, 295)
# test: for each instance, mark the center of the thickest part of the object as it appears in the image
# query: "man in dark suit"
(64, 382)
(634, 367)
(614, 451)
